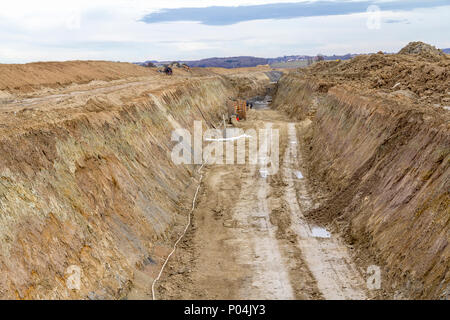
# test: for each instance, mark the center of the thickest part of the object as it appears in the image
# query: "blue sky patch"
(216, 15)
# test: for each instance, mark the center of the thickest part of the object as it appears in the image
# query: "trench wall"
(386, 168)
(97, 189)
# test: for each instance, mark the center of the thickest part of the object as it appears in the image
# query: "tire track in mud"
(259, 246)
(328, 259)
(234, 249)
(250, 240)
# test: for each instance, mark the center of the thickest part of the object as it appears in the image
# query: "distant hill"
(306, 58)
(231, 62)
(249, 61)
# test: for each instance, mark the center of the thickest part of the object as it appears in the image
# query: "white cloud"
(110, 30)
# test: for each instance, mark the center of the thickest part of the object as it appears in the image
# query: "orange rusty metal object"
(237, 107)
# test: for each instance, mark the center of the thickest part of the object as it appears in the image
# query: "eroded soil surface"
(249, 238)
(86, 177)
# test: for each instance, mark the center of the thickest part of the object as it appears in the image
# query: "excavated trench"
(250, 238)
(379, 169)
(358, 209)
(360, 183)
(89, 195)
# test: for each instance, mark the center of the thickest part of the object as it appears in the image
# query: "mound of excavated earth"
(379, 147)
(415, 78)
(421, 49)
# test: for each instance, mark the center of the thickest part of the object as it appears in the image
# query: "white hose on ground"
(183, 234)
(229, 139)
(179, 239)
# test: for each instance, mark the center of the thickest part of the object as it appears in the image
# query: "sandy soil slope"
(86, 178)
(87, 181)
(29, 77)
(250, 240)
(378, 157)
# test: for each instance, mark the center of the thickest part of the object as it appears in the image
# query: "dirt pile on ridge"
(379, 150)
(421, 48)
(416, 78)
(31, 76)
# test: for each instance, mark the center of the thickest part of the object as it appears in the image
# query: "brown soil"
(86, 177)
(422, 49)
(416, 79)
(379, 164)
(31, 76)
(249, 239)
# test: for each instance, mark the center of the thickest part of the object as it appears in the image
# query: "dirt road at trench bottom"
(249, 238)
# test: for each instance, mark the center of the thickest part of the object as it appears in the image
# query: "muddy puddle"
(261, 102)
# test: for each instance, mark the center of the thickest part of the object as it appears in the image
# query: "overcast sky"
(139, 30)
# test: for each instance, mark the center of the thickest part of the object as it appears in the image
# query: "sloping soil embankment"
(384, 167)
(91, 188)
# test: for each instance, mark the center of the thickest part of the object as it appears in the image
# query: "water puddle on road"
(261, 103)
(298, 174)
(319, 232)
(264, 173)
